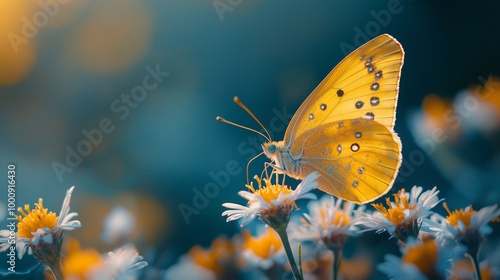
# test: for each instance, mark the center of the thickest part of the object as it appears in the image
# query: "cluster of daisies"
(40, 232)
(310, 247)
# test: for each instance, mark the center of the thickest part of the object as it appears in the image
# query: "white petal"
(71, 225)
(233, 206)
(414, 193)
(307, 196)
(308, 184)
(65, 206)
(4, 233)
(247, 195)
(4, 247)
(68, 218)
(21, 248)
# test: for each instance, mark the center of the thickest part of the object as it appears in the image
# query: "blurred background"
(119, 98)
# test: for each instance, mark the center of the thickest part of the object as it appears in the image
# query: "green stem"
(337, 258)
(281, 230)
(475, 265)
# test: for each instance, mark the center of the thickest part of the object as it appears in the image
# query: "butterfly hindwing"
(363, 85)
(357, 159)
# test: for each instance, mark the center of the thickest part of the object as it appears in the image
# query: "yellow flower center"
(395, 214)
(338, 216)
(220, 253)
(34, 219)
(263, 246)
(269, 191)
(423, 255)
(78, 263)
(459, 215)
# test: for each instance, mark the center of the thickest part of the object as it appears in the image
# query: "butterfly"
(344, 130)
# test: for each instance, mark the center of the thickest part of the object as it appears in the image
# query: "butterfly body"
(345, 129)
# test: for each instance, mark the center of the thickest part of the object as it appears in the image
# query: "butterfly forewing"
(357, 159)
(364, 84)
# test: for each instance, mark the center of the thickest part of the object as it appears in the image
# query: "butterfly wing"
(345, 129)
(364, 84)
(357, 159)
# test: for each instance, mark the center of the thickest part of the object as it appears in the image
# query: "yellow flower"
(263, 246)
(424, 256)
(88, 264)
(31, 220)
(216, 258)
(262, 251)
(423, 259)
(79, 262)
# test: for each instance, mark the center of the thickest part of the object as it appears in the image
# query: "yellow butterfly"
(344, 130)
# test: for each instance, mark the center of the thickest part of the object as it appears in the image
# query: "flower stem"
(337, 258)
(475, 265)
(281, 230)
(56, 270)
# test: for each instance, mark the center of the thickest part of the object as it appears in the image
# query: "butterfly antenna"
(237, 100)
(222, 120)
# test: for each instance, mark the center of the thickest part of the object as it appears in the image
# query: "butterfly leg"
(248, 165)
(275, 170)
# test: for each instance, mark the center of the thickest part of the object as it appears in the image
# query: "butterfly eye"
(271, 149)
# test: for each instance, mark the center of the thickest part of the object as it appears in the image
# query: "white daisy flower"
(330, 221)
(272, 203)
(420, 260)
(404, 216)
(123, 263)
(118, 225)
(41, 232)
(466, 227)
(186, 269)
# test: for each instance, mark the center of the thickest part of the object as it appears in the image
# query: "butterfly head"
(272, 149)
